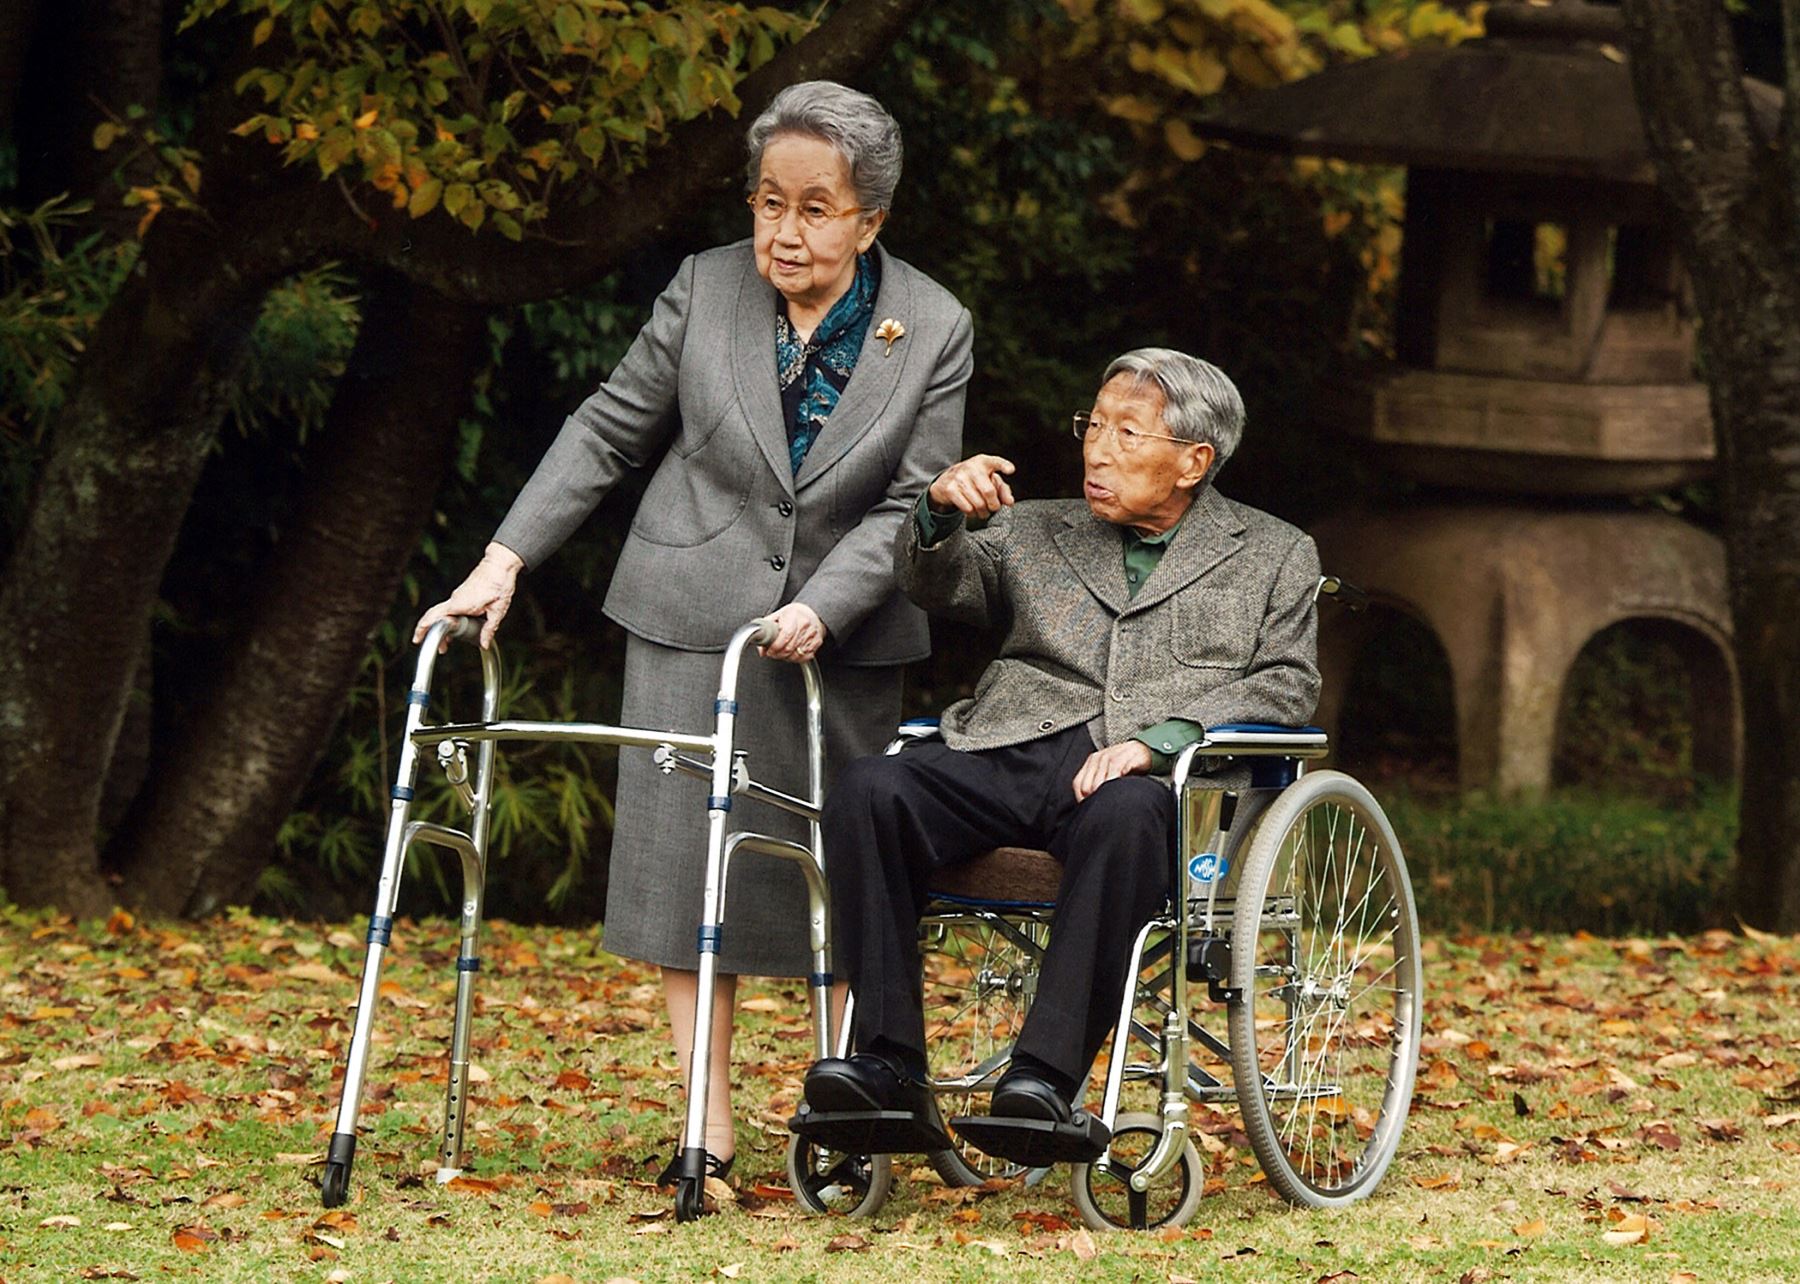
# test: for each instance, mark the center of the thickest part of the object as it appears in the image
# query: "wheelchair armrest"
(910, 730)
(1249, 740)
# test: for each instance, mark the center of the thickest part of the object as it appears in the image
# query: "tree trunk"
(1732, 192)
(80, 580)
(205, 828)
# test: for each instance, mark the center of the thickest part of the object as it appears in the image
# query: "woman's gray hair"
(1199, 402)
(859, 127)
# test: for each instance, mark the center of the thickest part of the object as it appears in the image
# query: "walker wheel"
(690, 1199)
(335, 1188)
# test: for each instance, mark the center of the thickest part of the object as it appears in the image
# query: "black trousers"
(890, 821)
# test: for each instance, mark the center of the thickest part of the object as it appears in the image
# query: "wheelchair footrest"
(870, 1132)
(1035, 1142)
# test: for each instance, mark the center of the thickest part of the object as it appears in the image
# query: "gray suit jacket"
(1223, 630)
(726, 531)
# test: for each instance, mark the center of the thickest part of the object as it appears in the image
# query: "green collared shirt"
(1142, 554)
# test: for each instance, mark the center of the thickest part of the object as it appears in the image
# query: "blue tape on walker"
(725, 706)
(402, 794)
(710, 939)
(420, 698)
(381, 930)
(464, 964)
(821, 980)
(1208, 867)
(718, 802)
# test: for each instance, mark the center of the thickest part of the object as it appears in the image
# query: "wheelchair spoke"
(980, 979)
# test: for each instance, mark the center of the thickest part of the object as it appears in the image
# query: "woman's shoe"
(715, 1167)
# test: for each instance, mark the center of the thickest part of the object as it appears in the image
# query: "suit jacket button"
(1045, 725)
(778, 562)
(1118, 693)
(785, 509)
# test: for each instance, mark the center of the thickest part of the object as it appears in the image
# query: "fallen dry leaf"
(1634, 1229)
(847, 1244)
(193, 1239)
(1532, 1229)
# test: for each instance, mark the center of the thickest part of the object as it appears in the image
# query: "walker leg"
(341, 1154)
(468, 964)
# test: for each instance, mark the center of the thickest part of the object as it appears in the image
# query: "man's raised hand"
(975, 487)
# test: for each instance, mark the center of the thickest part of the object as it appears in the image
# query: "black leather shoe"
(862, 1105)
(715, 1167)
(1020, 1094)
(860, 1081)
(1033, 1124)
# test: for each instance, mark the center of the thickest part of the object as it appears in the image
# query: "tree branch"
(591, 230)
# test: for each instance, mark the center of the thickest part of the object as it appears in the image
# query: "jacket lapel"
(1095, 551)
(1208, 536)
(753, 366)
(872, 383)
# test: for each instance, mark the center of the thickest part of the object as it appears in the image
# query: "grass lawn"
(1587, 1110)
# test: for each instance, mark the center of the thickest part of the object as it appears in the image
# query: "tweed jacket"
(1222, 631)
(726, 530)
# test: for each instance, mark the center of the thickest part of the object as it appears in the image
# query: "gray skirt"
(657, 876)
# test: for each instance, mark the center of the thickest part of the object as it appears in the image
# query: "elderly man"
(1133, 618)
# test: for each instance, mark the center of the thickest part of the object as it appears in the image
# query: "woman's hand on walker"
(975, 487)
(799, 633)
(488, 591)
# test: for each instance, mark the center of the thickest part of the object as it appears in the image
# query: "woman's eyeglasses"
(771, 208)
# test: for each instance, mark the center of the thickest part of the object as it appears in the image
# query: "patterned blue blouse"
(814, 373)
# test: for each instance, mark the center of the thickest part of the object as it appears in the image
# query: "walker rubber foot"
(1035, 1142)
(870, 1132)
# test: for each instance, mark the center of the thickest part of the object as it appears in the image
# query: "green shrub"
(1574, 861)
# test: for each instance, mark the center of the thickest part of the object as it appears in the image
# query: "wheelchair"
(1291, 918)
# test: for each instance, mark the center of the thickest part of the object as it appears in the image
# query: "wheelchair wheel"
(1107, 1201)
(1325, 956)
(825, 1182)
(980, 978)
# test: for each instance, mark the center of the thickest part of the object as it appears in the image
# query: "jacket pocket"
(689, 501)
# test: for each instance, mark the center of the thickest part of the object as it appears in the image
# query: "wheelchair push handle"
(1342, 592)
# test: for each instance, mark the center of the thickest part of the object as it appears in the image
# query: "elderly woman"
(795, 393)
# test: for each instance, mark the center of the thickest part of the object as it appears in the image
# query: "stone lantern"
(1543, 376)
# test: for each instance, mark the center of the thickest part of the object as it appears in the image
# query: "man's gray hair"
(859, 127)
(1200, 403)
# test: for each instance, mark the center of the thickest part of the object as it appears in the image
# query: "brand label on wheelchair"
(1208, 867)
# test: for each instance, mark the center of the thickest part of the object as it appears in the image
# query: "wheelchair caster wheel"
(335, 1189)
(1107, 1201)
(824, 1181)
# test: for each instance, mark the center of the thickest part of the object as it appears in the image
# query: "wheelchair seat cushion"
(1019, 875)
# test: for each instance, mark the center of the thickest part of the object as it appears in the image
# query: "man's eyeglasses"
(1128, 439)
(771, 208)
